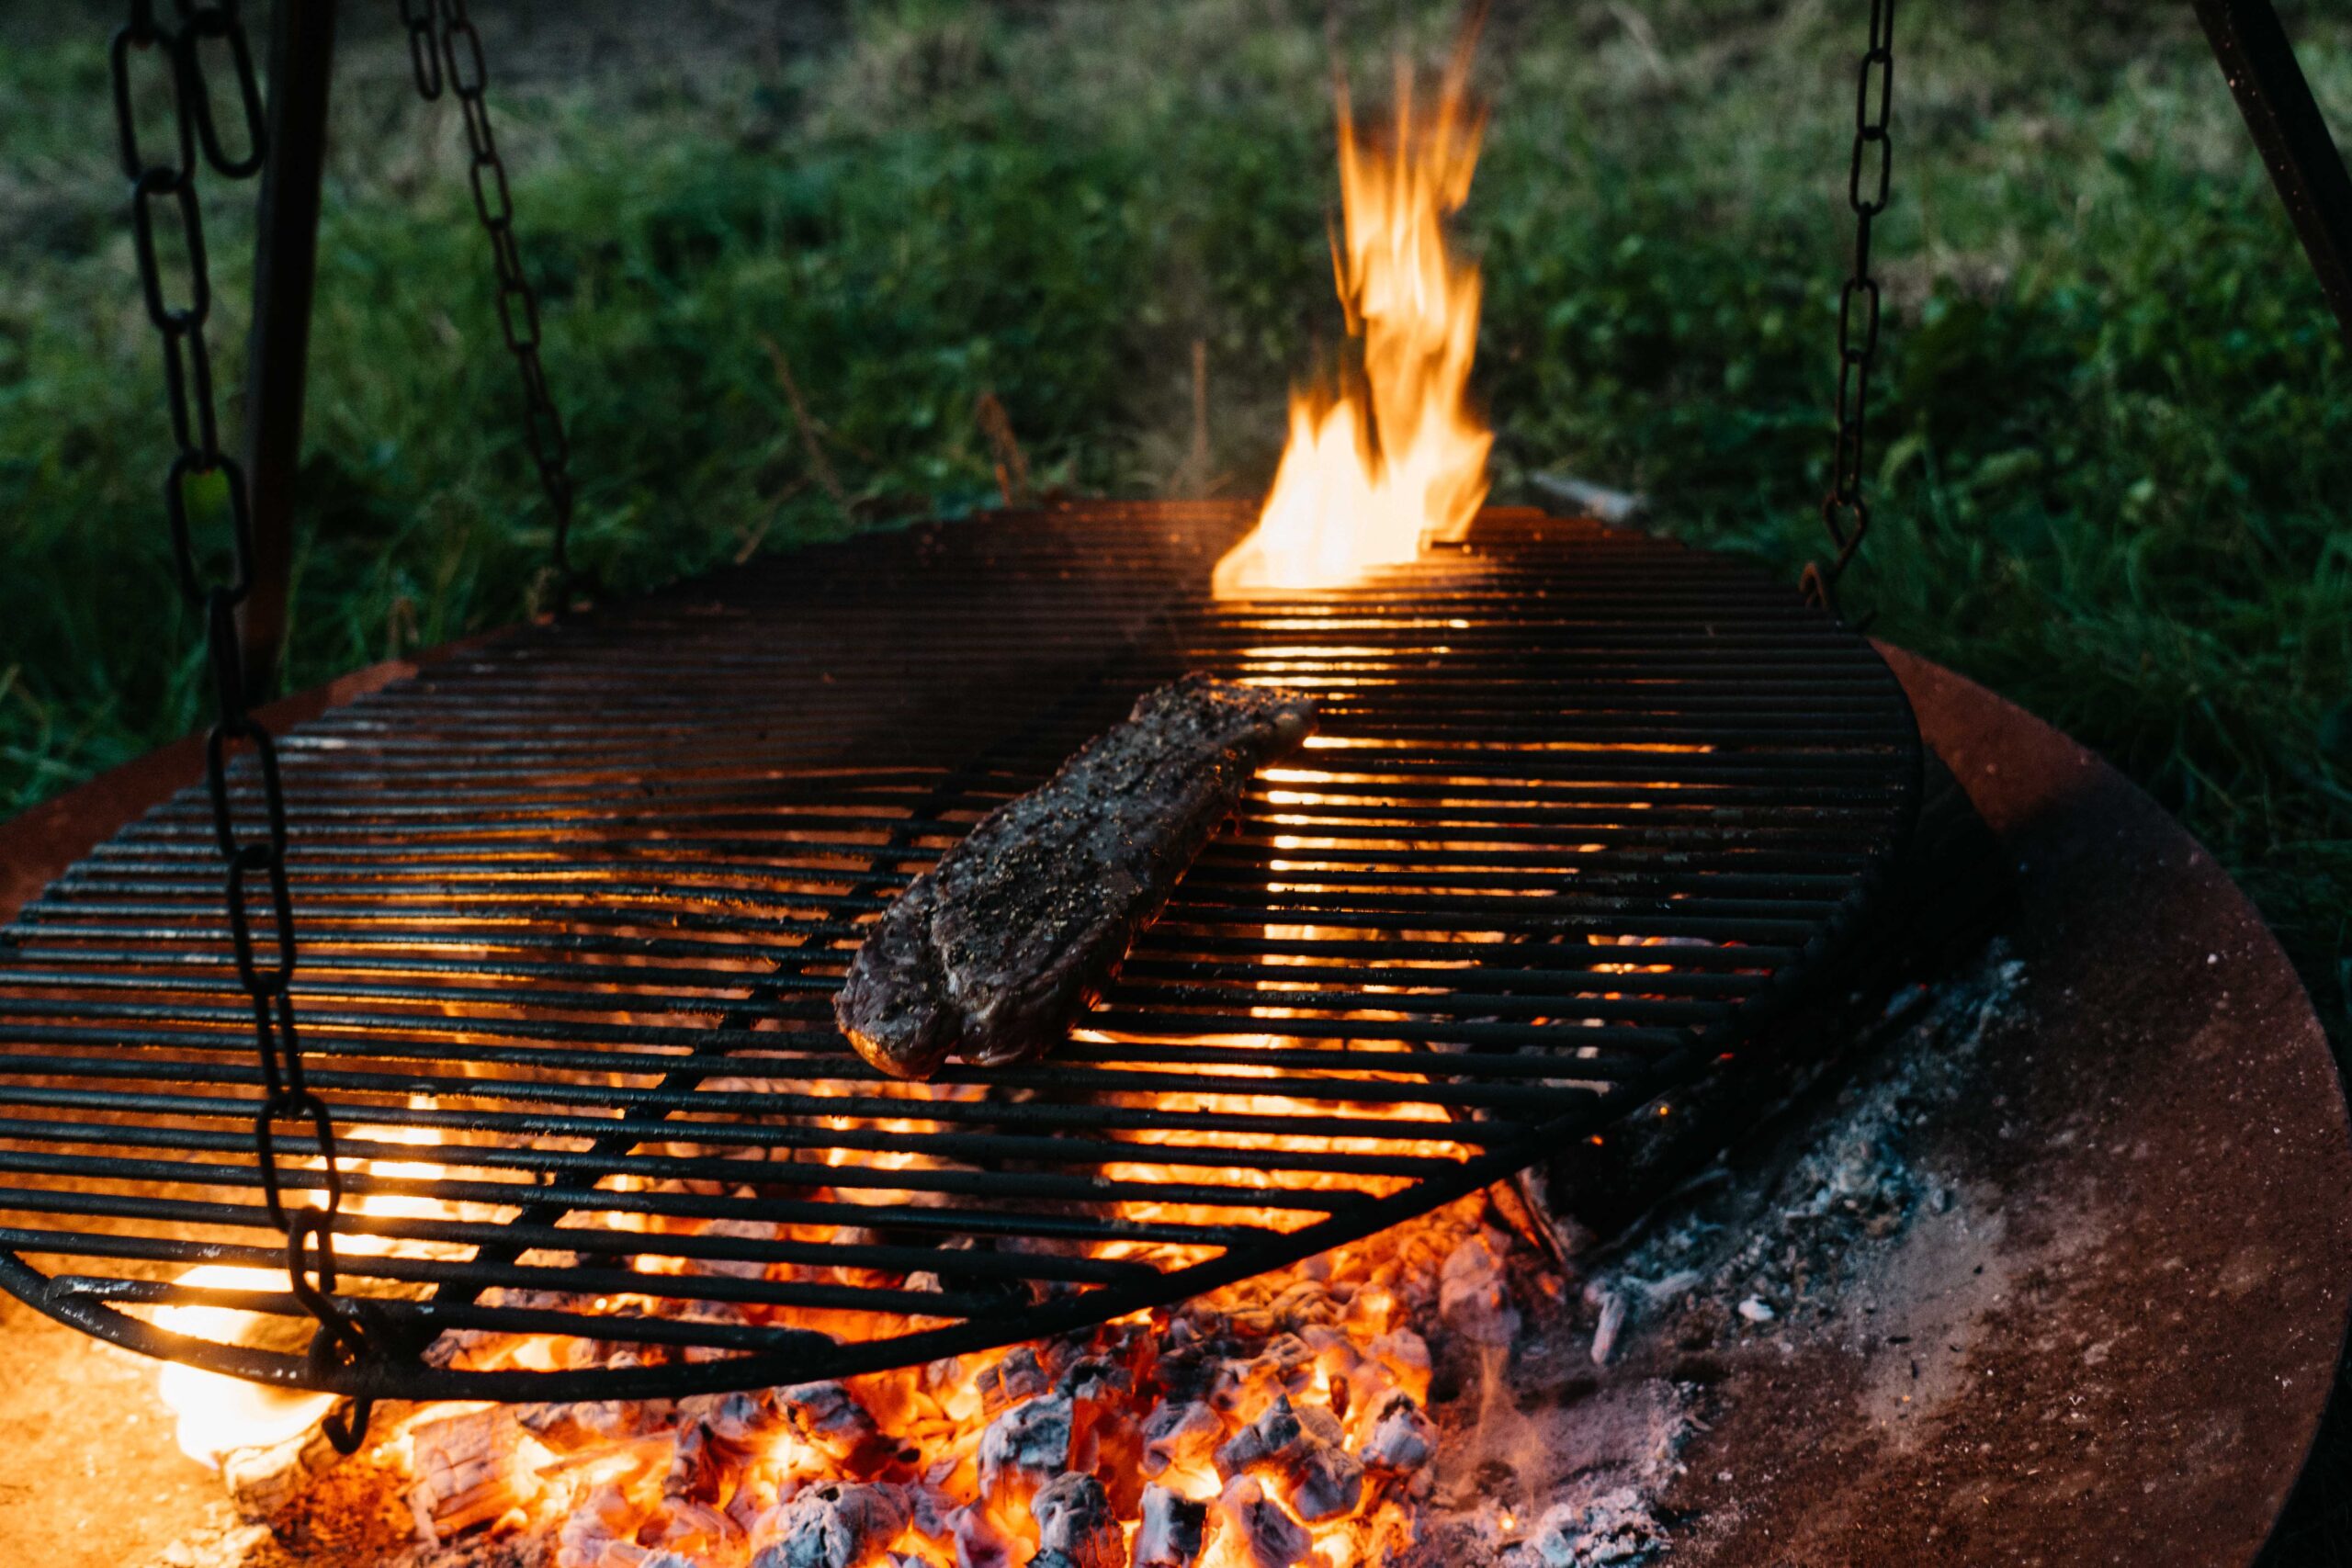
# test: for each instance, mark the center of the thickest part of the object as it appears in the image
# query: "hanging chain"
(1844, 511)
(444, 49)
(254, 854)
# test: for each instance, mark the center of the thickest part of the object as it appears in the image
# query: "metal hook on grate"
(1844, 511)
(343, 1340)
(445, 51)
(264, 958)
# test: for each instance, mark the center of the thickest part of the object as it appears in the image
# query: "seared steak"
(993, 952)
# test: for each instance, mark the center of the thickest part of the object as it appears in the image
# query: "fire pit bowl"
(2111, 1335)
(2117, 1344)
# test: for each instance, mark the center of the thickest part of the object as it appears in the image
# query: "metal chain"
(1844, 511)
(444, 49)
(264, 959)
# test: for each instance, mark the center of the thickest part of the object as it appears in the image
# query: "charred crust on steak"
(993, 954)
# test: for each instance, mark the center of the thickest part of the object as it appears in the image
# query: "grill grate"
(1584, 806)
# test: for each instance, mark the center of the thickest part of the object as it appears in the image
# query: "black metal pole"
(2293, 136)
(301, 55)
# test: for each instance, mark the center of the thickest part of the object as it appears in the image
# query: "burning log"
(1172, 1529)
(839, 1525)
(700, 1531)
(1472, 1298)
(606, 1524)
(1025, 1449)
(1022, 1374)
(1106, 1426)
(696, 1470)
(993, 952)
(1307, 1303)
(981, 1537)
(468, 1471)
(263, 1480)
(1356, 1380)
(1178, 1435)
(828, 1419)
(1406, 1355)
(1285, 1364)
(1097, 1380)
(1402, 1439)
(1077, 1526)
(1302, 1450)
(743, 1419)
(1267, 1535)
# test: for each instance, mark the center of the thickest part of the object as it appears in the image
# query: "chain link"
(1845, 513)
(445, 51)
(263, 948)
(424, 51)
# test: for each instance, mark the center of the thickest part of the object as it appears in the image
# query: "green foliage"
(2116, 419)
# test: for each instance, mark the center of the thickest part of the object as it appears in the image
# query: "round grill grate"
(1584, 807)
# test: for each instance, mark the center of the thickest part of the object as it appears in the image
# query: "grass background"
(2110, 460)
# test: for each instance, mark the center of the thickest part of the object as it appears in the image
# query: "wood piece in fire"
(1402, 1439)
(1302, 1450)
(697, 1469)
(1178, 1434)
(1077, 1526)
(993, 954)
(1027, 1448)
(744, 1419)
(1172, 1528)
(834, 1526)
(828, 1418)
(1022, 1374)
(264, 1482)
(1268, 1536)
(468, 1470)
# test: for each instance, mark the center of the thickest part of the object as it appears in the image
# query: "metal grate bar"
(1583, 808)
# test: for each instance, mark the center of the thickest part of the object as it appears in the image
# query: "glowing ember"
(1282, 1419)
(1374, 472)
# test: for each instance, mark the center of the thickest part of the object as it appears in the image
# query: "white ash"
(1077, 1526)
(1026, 1449)
(828, 1419)
(1304, 1452)
(1178, 1432)
(1402, 1439)
(830, 1527)
(1740, 1258)
(1173, 1531)
(1269, 1537)
(1557, 1449)
(1616, 1527)
(1775, 1259)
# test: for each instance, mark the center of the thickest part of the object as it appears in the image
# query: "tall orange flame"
(1374, 472)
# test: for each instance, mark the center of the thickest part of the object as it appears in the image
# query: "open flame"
(1378, 466)
(218, 1414)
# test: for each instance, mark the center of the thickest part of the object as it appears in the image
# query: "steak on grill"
(993, 953)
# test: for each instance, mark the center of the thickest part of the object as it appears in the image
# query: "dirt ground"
(113, 1489)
